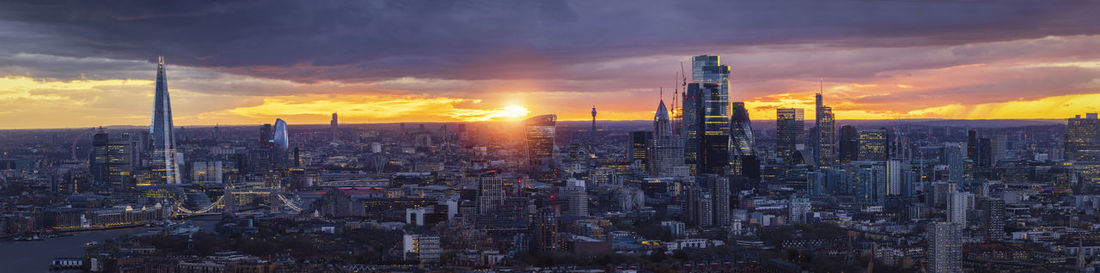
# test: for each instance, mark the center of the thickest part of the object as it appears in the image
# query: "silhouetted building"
(790, 133)
(639, 149)
(848, 144)
(539, 143)
(825, 134)
(668, 149)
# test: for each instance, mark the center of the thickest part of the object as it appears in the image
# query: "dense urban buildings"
(699, 188)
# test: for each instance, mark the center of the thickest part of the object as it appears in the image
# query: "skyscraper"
(944, 248)
(1082, 138)
(985, 152)
(706, 116)
(640, 149)
(994, 219)
(790, 131)
(972, 145)
(333, 124)
(539, 139)
(279, 138)
(742, 143)
(720, 192)
(848, 144)
(111, 161)
(825, 124)
(873, 144)
(668, 150)
(165, 167)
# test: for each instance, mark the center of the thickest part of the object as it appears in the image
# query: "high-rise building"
(577, 198)
(957, 205)
(848, 145)
(333, 126)
(790, 132)
(539, 137)
(873, 144)
(985, 152)
(164, 160)
(993, 211)
(972, 145)
(545, 238)
(742, 143)
(1082, 138)
(944, 251)
(954, 155)
(825, 129)
(720, 194)
(640, 149)
(706, 116)
(668, 149)
(998, 147)
(279, 138)
(111, 162)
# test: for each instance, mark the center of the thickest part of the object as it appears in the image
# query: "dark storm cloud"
(374, 40)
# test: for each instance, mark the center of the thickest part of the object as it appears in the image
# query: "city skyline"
(88, 65)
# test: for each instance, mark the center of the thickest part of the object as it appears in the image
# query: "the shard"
(164, 159)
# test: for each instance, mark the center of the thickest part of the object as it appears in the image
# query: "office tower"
(868, 181)
(985, 152)
(1082, 138)
(668, 149)
(706, 116)
(893, 177)
(165, 168)
(742, 143)
(333, 126)
(640, 149)
(825, 128)
(993, 210)
(539, 137)
(848, 144)
(578, 199)
(873, 144)
(279, 138)
(972, 145)
(545, 237)
(790, 131)
(798, 208)
(997, 148)
(720, 192)
(944, 251)
(957, 205)
(266, 134)
(698, 205)
(111, 162)
(954, 155)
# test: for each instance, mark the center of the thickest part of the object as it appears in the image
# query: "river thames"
(35, 256)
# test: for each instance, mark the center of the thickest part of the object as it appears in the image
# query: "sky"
(92, 63)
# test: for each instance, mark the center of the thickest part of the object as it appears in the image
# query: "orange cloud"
(377, 108)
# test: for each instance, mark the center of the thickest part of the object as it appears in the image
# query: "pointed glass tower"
(164, 165)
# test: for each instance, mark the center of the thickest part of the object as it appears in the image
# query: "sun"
(513, 111)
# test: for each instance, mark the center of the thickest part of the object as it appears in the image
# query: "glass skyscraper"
(742, 142)
(165, 167)
(539, 137)
(706, 116)
(667, 147)
(790, 132)
(825, 144)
